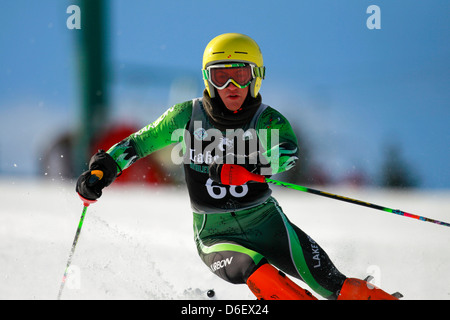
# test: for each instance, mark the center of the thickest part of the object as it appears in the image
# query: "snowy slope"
(137, 242)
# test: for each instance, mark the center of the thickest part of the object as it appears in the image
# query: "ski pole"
(95, 176)
(238, 175)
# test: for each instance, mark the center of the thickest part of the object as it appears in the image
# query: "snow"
(137, 242)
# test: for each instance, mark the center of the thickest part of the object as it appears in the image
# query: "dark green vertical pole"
(93, 73)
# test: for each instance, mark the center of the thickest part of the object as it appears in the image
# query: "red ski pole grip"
(86, 202)
(236, 175)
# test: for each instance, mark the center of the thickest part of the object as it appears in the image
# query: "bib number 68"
(217, 191)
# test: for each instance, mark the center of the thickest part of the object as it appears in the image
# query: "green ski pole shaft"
(72, 251)
(354, 201)
(96, 175)
(231, 174)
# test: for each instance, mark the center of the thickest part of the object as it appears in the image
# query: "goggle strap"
(205, 74)
(259, 72)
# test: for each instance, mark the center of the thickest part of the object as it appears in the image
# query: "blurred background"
(370, 106)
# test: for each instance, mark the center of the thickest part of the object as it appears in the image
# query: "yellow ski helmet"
(234, 47)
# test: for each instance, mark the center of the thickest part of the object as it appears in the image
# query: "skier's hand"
(215, 170)
(103, 171)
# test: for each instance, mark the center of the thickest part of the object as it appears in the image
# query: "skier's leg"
(300, 256)
(223, 246)
(237, 264)
(314, 266)
(229, 260)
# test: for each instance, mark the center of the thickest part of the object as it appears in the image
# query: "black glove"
(90, 184)
(215, 170)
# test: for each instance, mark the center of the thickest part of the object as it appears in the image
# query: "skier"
(241, 232)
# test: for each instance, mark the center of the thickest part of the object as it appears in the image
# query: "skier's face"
(233, 97)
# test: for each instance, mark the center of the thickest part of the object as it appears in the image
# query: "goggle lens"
(241, 75)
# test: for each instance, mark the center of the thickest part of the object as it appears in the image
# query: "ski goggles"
(240, 74)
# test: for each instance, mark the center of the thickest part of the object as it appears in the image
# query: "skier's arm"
(278, 141)
(138, 145)
(155, 136)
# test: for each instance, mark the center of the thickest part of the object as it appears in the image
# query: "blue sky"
(350, 89)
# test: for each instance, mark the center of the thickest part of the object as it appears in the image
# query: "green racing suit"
(236, 228)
